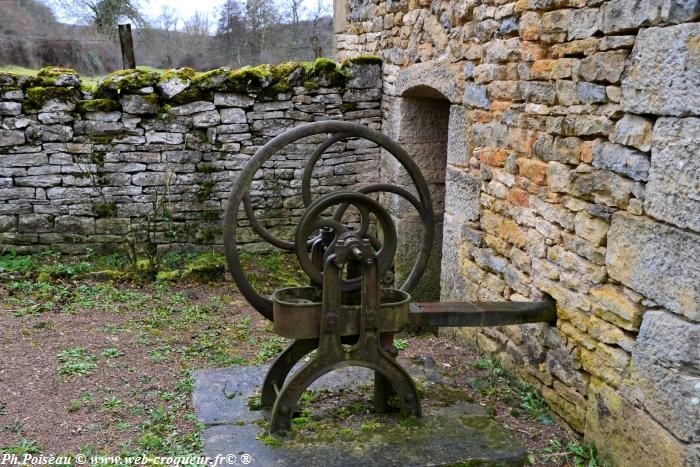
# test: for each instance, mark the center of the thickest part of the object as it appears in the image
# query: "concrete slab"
(461, 433)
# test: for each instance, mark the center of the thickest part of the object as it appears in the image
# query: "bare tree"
(168, 19)
(231, 31)
(104, 14)
(198, 24)
(259, 16)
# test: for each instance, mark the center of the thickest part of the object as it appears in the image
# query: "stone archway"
(425, 116)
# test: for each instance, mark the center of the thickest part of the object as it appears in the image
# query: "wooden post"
(127, 45)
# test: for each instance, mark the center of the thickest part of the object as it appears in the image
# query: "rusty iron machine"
(345, 315)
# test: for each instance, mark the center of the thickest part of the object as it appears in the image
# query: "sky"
(186, 8)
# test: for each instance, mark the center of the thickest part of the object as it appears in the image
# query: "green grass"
(75, 361)
(111, 352)
(573, 453)
(521, 396)
(24, 446)
(400, 344)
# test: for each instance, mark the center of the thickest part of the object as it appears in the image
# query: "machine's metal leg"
(280, 368)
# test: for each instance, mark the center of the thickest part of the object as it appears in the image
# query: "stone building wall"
(573, 170)
(150, 158)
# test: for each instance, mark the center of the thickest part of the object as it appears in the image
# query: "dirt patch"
(104, 368)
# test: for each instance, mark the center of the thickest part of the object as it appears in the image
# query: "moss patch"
(364, 60)
(124, 80)
(103, 210)
(38, 95)
(207, 267)
(97, 105)
(183, 74)
(50, 74)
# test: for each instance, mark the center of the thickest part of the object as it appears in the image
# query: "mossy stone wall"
(150, 157)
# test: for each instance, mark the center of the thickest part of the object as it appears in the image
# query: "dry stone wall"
(573, 170)
(149, 159)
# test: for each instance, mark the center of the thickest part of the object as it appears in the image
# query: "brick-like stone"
(623, 15)
(462, 195)
(140, 104)
(657, 260)
(633, 130)
(626, 434)
(663, 71)
(603, 66)
(673, 191)
(666, 372)
(222, 99)
(35, 223)
(620, 159)
(11, 137)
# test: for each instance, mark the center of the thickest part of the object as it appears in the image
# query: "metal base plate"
(449, 435)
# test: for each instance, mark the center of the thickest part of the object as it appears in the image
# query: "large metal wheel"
(337, 131)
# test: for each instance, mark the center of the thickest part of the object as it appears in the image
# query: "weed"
(371, 426)
(271, 348)
(111, 352)
(3, 408)
(112, 404)
(161, 354)
(400, 344)
(23, 447)
(123, 426)
(75, 361)
(255, 402)
(267, 439)
(579, 455)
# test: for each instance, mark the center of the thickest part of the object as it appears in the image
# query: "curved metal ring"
(311, 220)
(305, 195)
(240, 188)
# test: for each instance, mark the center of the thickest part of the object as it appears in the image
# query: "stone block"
(503, 227)
(462, 195)
(10, 108)
(603, 66)
(457, 148)
(365, 76)
(584, 23)
(233, 115)
(537, 92)
(74, 225)
(624, 15)
(657, 260)
(533, 169)
(591, 228)
(622, 160)
(606, 362)
(8, 224)
(673, 191)
(666, 372)
(626, 434)
(633, 130)
(475, 96)
(11, 137)
(206, 119)
(663, 71)
(140, 104)
(35, 223)
(222, 99)
(602, 187)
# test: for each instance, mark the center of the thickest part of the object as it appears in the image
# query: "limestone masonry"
(149, 159)
(564, 138)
